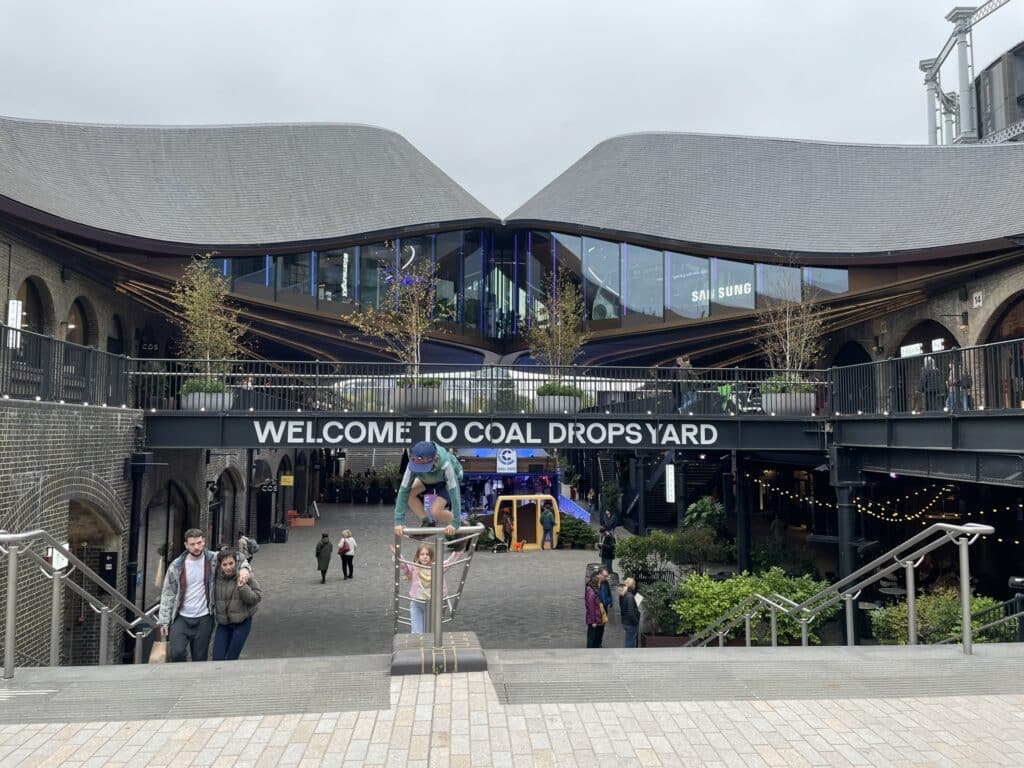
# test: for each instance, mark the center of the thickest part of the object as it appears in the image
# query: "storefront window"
(539, 275)
(473, 278)
(820, 281)
(689, 285)
(249, 276)
(602, 288)
(336, 275)
(775, 284)
(448, 252)
(294, 278)
(732, 286)
(372, 258)
(645, 284)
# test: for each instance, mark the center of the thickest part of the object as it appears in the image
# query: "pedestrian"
(507, 526)
(930, 385)
(347, 550)
(597, 616)
(323, 556)
(605, 591)
(246, 550)
(629, 611)
(547, 523)
(233, 607)
(420, 574)
(606, 546)
(591, 500)
(186, 600)
(431, 469)
(958, 385)
(608, 520)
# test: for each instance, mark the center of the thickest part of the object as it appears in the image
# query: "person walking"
(606, 546)
(347, 550)
(930, 385)
(431, 469)
(630, 612)
(596, 615)
(233, 607)
(547, 523)
(186, 600)
(323, 556)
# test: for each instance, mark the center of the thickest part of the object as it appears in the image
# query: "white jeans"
(418, 614)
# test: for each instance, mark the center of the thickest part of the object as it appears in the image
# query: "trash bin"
(279, 534)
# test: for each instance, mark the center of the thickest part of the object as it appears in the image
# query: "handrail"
(906, 555)
(18, 544)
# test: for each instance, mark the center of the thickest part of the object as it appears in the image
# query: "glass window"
(822, 280)
(473, 279)
(294, 278)
(32, 318)
(689, 292)
(77, 331)
(448, 252)
(645, 284)
(539, 274)
(775, 284)
(732, 286)
(336, 275)
(416, 250)
(249, 276)
(502, 286)
(371, 282)
(601, 268)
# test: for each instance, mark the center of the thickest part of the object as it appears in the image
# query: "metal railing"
(17, 545)
(1007, 612)
(906, 557)
(956, 381)
(439, 596)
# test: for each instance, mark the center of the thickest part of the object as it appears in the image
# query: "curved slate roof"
(789, 195)
(227, 184)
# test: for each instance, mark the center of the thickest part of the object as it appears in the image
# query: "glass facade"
(493, 282)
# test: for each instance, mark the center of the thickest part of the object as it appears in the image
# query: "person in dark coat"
(323, 556)
(930, 385)
(629, 612)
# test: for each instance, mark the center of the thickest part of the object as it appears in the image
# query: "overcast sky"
(502, 96)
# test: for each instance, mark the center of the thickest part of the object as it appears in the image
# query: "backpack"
(252, 544)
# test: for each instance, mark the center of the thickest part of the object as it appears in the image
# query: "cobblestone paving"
(513, 600)
(456, 720)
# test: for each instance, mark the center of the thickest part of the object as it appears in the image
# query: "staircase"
(358, 460)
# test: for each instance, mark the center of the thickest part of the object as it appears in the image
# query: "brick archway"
(74, 485)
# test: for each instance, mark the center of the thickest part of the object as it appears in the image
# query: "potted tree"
(555, 340)
(211, 334)
(790, 326)
(408, 312)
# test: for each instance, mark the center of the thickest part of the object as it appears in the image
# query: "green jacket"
(547, 519)
(324, 551)
(447, 470)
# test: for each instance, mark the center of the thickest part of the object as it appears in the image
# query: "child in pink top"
(419, 575)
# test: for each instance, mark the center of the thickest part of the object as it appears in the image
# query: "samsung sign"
(610, 433)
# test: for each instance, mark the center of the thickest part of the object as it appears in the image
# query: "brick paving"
(457, 721)
(512, 600)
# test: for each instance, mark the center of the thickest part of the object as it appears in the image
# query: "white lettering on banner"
(497, 433)
(722, 292)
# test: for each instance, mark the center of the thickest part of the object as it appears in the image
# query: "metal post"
(12, 609)
(926, 66)
(847, 549)
(746, 629)
(55, 605)
(739, 503)
(104, 636)
(805, 639)
(961, 17)
(398, 581)
(851, 633)
(437, 590)
(908, 568)
(721, 640)
(775, 627)
(965, 593)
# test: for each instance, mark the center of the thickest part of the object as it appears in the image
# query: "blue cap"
(421, 457)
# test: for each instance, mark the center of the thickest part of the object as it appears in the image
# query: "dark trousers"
(190, 635)
(346, 566)
(323, 575)
(630, 631)
(229, 640)
(594, 636)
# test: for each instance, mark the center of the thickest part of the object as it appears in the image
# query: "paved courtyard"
(512, 600)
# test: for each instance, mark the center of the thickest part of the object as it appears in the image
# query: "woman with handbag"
(597, 616)
(347, 550)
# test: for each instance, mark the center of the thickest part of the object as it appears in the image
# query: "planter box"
(416, 399)
(557, 404)
(788, 403)
(210, 401)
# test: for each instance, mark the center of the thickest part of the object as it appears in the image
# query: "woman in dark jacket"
(233, 607)
(596, 616)
(629, 611)
(323, 556)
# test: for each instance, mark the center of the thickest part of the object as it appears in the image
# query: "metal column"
(847, 549)
(12, 610)
(961, 17)
(926, 66)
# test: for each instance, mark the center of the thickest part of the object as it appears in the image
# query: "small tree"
(211, 332)
(556, 340)
(408, 312)
(790, 326)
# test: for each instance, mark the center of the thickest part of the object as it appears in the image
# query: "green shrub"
(423, 381)
(642, 557)
(786, 383)
(658, 614)
(558, 389)
(611, 496)
(203, 385)
(573, 531)
(699, 545)
(938, 618)
(507, 401)
(706, 511)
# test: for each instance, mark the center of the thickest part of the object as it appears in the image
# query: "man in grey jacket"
(186, 601)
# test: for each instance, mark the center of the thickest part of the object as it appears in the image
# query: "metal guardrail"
(956, 381)
(1008, 611)
(16, 545)
(466, 539)
(906, 556)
